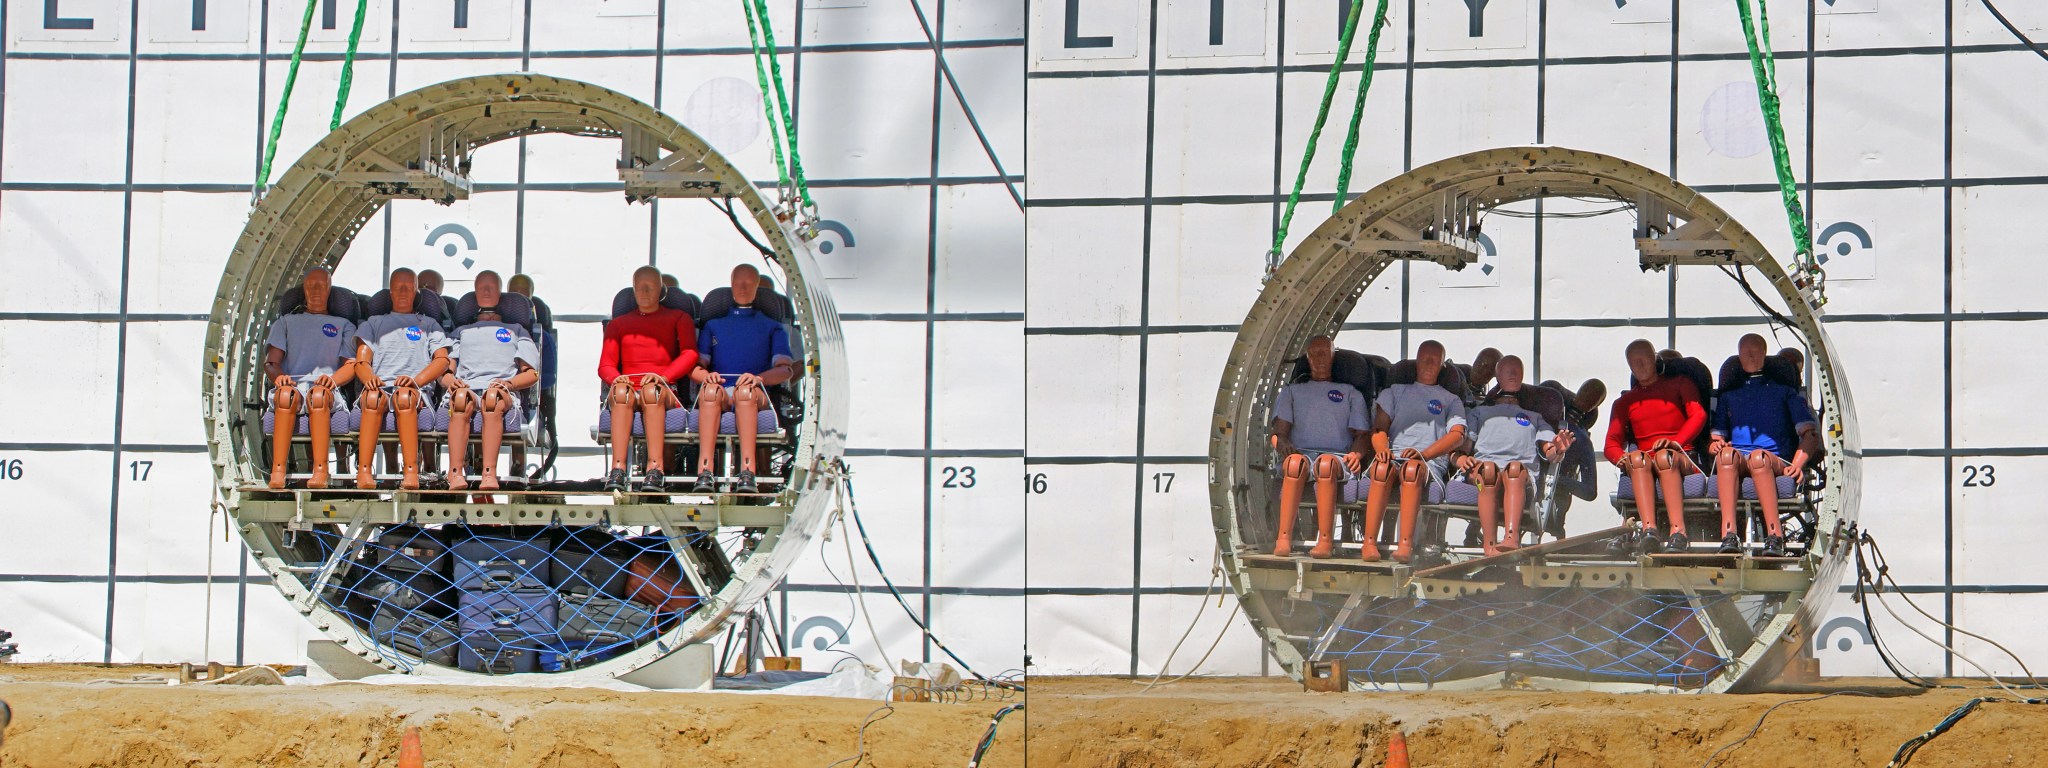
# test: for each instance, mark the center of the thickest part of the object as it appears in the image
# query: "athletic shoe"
(705, 484)
(1678, 543)
(1731, 545)
(1774, 546)
(653, 482)
(1651, 542)
(1622, 543)
(615, 481)
(746, 483)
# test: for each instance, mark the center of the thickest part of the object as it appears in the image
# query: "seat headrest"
(673, 298)
(425, 302)
(718, 303)
(1546, 402)
(1776, 369)
(1689, 367)
(1450, 378)
(341, 302)
(1366, 373)
(514, 308)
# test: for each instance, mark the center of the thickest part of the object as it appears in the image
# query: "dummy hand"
(1354, 461)
(402, 382)
(1794, 469)
(748, 381)
(1410, 453)
(283, 381)
(1468, 463)
(326, 381)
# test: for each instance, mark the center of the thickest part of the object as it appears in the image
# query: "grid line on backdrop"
(1953, 316)
(931, 317)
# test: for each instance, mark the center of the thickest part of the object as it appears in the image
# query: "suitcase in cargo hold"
(585, 573)
(604, 620)
(518, 612)
(656, 581)
(418, 635)
(487, 563)
(407, 590)
(494, 654)
(411, 549)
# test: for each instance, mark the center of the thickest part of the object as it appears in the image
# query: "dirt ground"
(61, 719)
(1097, 721)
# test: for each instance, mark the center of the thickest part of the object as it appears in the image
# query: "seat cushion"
(430, 420)
(765, 422)
(1788, 488)
(1461, 493)
(338, 422)
(1355, 491)
(674, 421)
(1692, 487)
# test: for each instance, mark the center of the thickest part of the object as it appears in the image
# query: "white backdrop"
(1156, 181)
(125, 163)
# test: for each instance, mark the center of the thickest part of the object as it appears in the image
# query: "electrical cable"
(733, 217)
(861, 738)
(989, 739)
(1767, 713)
(853, 506)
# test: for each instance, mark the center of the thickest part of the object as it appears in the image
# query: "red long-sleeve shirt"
(1668, 409)
(663, 342)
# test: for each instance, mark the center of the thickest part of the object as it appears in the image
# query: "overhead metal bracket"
(1696, 243)
(648, 175)
(440, 174)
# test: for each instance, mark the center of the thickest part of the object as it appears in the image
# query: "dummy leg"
(1643, 478)
(1329, 474)
(460, 406)
(1488, 480)
(1764, 467)
(407, 401)
(710, 404)
(622, 423)
(653, 400)
(1414, 479)
(1727, 480)
(284, 402)
(496, 402)
(1294, 472)
(1670, 476)
(1514, 490)
(746, 409)
(1381, 472)
(375, 403)
(320, 408)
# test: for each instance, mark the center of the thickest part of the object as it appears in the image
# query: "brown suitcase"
(656, 580)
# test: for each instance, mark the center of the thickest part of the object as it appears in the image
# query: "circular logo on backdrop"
(1336, 396)
(1436, 407)
(1732, 122)
(1522, 419)
(504, 335)
(726, 111)
(331, 330)
(412, 333)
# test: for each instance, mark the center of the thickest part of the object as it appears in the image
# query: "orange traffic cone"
(1397, 750)
(411, 756)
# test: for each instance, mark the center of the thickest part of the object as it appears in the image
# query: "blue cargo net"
(1618, 634)
(508, 599)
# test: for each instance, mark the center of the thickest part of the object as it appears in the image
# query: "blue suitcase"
(518, 613)
(494, 654)
(500, 564)
(604, 620)
(407, 590)
(588, 573)
(418, 635)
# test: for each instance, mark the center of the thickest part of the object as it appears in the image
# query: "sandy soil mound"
(1271, 722)
(61, 720)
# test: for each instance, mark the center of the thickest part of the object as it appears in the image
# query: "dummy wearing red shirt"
(1663, 416)
(645, 351)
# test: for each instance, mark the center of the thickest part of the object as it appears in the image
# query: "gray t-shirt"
(1323, 414)
(1420, 414)
(487, 352)
(1509, 432)
(402, 344)
(314, 345)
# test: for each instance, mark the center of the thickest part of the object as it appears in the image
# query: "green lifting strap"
(1372, 55)
(284, 101)
(1322, 116)
(1765, 67)
(348, 65)
(763, 42)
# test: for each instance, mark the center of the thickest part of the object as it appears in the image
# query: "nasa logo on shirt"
(412, 333)
(1336, 396)
(330, 330)
(1436, 407)
(504, 335)
(1522, 419)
